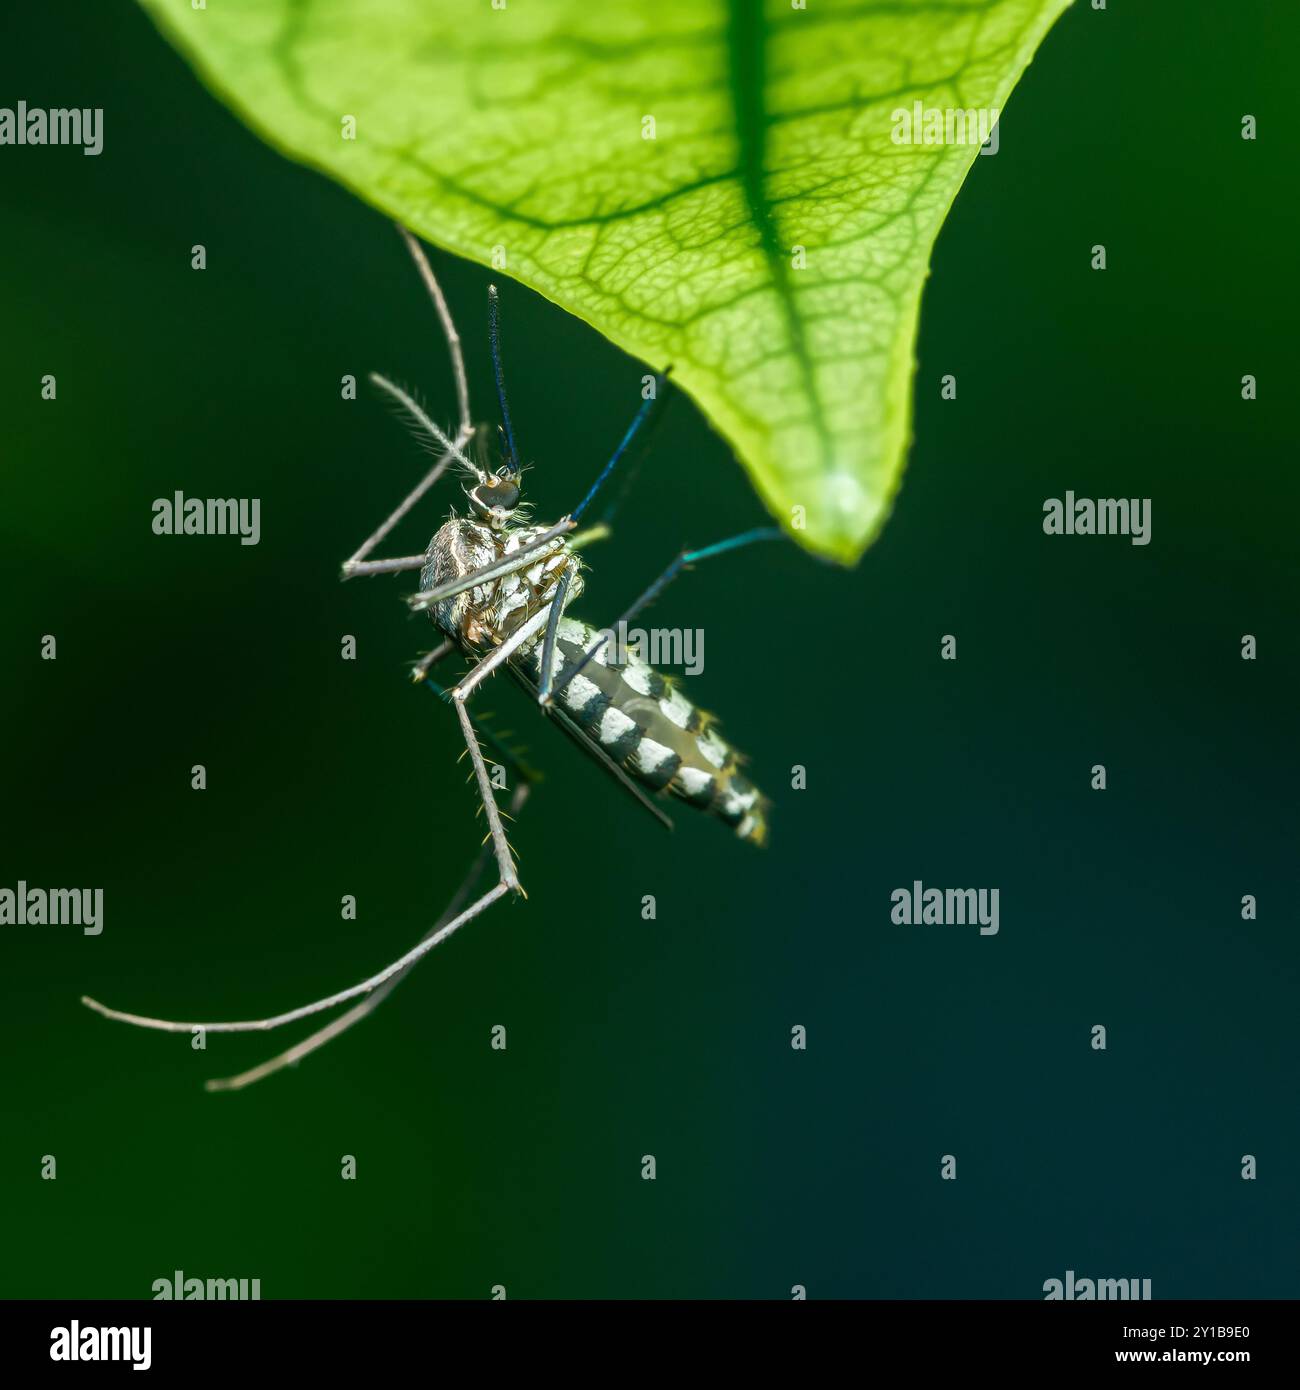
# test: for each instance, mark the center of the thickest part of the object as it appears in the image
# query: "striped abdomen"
(646, 724)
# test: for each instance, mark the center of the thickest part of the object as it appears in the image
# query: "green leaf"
(522, 128)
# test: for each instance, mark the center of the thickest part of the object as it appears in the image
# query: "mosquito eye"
(505, 495)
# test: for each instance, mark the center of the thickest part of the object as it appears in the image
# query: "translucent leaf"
(719, 186)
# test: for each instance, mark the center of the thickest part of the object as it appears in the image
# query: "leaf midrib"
(747, 43)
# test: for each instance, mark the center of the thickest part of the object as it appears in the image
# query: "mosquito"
(498, 588)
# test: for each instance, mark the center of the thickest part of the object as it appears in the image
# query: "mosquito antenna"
(494, 334)
(419, 417)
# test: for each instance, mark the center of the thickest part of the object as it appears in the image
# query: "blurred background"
(775, 1167)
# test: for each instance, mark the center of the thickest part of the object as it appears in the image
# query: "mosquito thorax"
(494, 499)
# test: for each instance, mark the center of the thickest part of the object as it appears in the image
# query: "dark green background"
(671, 1037)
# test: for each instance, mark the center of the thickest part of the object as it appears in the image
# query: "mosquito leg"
(508, 881)
(686, 558)
(633, 429)
(547, 669)
(368, 1005)
(631, 471)
(502, 653)
(308, 1045)
(262, 1025)
(379, 985)
(452, 449)
(353, 568)
(508, 756)
(354, 565)
(429, 660)
(505, 859)
(448, 327)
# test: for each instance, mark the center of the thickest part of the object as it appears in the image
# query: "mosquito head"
(494, 497)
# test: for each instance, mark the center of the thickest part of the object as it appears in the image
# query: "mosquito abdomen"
(645, 723)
